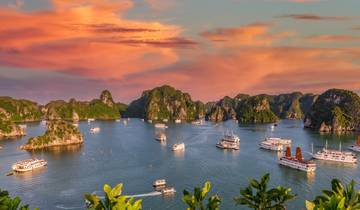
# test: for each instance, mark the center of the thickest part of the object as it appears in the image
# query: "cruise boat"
(161, 137)
(159, 183)
(356, 147)
(197, 122)
(274, 143)
(117, 120)
(335, 155)
(95, 130)
(91, 119)
(28, 165)
(177, 147)
(149, 121)
(160, 125)
(177, 121)
(76, 124)
(297, 162)
(168, 191)
(229, 141)
(165, 120)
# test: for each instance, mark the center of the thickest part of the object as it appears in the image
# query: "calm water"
(129, 154)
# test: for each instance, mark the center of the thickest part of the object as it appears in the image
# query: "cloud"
(160, 5)
(256, 34)
(356, 28)
(316, 17)
(333, 38)
(90, 38)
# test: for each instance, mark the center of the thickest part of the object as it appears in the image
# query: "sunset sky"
(60, 49)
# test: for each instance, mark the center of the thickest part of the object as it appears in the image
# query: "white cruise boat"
(177, 121)
(91, 119)
(274, 143)
(28, 165)
(229, 141)
(95, 130)
(297, 162)
(149, 121)
(161, 137)
(335, 155)
(177, 147)
(165, 120)
(159, 183)
(356, 147)
(117, 120)
(168, 191)
(197, 122)
(160, 125)
(278, 140)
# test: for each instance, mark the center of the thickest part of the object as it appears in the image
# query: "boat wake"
(155, 193)
(69, 207)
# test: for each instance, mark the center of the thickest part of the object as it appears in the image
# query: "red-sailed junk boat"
(297, 162)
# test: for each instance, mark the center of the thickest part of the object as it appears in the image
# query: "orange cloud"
(332, 38)
(257, 34)
(87, 37)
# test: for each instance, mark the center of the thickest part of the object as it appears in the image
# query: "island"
(58, 133)
(9, 129)
(166, 103)
(19, 110)
(336, 110)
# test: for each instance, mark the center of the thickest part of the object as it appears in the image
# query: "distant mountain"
(335, 110)
(102, 108)
(225, 109)
(19, 110)
(166, 102)
(58, 133)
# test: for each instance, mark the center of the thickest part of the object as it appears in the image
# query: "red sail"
(358, 141)
(298, 153)
(288, 152)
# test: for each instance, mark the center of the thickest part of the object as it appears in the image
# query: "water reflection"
(29, 175)
(58, 150)
(180, 154)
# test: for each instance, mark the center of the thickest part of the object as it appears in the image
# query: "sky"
(62, 49)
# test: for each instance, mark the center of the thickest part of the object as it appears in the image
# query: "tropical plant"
(113, 200)
(264, 198)
(8, 203)
(196, 201)
(338, 198)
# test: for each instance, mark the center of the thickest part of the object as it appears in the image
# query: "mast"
(312, 148)
(326, 144)
(298, 153)
(288, 152)
(340, 146)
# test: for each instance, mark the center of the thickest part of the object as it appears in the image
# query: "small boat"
(91, 119)
(23, 126)
(149, 121)
(161, 137)
(334, 155)
(142, 120)
(76, 124)
(125, 122)
(177, 147)
(1, 147)
(197, 122)
(117, 120)
(159, 183)
(229, 141)
(168, 191)
(297, 162)
(95, 130)
(28, 165)
(177, 121)
(165, 120)
(160, 125)
(356, 147)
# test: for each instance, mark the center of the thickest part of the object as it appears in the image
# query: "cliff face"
(58, 133)
(103, 108)
(335, 110)
(165, 102)
(19, 110)
(255, 109)
(9, 130)
(224, 109)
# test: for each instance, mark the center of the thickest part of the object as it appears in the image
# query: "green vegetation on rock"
(165, 102)
(9, 129)
(58, 133)
(103, 108)
(256, 109)
(335, 110)
(19, 110)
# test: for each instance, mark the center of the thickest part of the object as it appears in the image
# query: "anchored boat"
(160, 125)
(168, 191)
(297, 162)
(159, 183)
(95, 130)
(177, 147)
(275, 144)
(356, 147)
(161, 137)
(229, 141)
(177, 121)
(28, 165)
(334, 155)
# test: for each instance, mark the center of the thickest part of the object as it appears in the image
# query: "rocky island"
(166, 102)
(335, 110)
(10, 130)
(19, 110)
(59, 133)
(103, 108)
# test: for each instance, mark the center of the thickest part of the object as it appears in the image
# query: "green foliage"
(113, 200)
(5, 126)
(8, 203)
(19, 110)
(264, 198)
(255, 109)
(338, 198)
(196, 201)
(165, 102)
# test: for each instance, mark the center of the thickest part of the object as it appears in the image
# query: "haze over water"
(129, 154)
